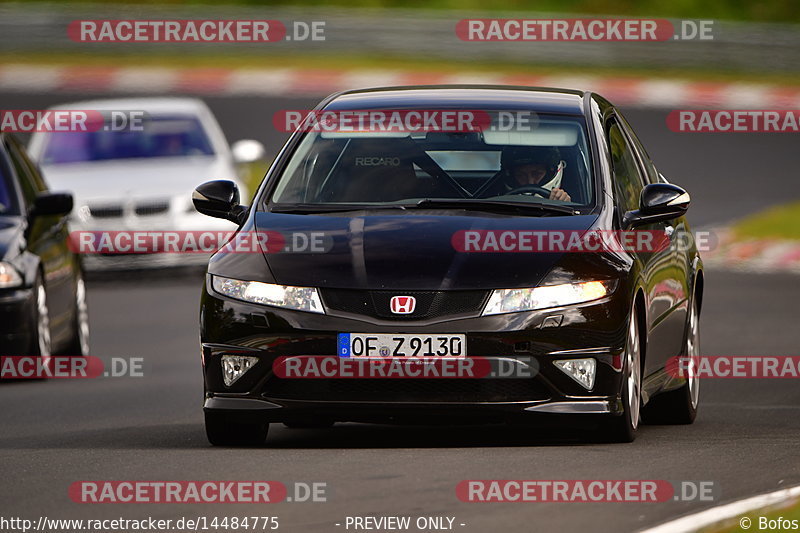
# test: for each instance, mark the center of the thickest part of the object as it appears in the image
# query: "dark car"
(43, 308)
(420, 254)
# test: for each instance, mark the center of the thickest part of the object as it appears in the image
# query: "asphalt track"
(150, 428)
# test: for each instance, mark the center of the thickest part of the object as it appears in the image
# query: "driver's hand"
(560, 194)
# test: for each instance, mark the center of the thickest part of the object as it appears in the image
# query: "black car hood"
(410, 250)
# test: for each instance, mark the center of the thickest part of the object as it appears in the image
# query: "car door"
(656, 266)
(674, 287)
(47, 238)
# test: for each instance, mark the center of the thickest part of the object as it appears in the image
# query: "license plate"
(401, 345)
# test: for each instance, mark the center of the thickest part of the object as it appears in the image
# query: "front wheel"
(221, 431)
(40, 344)
(622, 428)
(680, 405)
(79, 343)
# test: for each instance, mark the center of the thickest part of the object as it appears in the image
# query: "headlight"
(300, 298)
(9, 277)
(513, 300)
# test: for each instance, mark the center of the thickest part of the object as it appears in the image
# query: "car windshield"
(159, 136)
(547, 162)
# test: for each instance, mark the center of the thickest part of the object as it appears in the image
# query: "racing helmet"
(549, 156)
(513, 156)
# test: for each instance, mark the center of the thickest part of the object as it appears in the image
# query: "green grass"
(782, 222)
(378, 62)
(252, 174)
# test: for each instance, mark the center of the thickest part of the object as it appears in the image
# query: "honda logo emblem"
(403, 305)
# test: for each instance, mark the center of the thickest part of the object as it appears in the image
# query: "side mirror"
(219, 199)
(52, 203)
(247, 151)
(658, 202)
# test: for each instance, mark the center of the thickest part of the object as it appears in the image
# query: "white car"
(141, 179)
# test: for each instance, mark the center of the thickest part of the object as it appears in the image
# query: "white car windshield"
(159, 136)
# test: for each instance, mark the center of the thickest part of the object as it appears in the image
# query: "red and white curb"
(753, 255)
(724, 513)
(319, 82)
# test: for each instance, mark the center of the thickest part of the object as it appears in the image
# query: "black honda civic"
(43, 308)
(448, 254)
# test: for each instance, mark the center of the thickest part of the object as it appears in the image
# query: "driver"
(533, 165)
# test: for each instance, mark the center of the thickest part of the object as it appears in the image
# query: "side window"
(650, 169)
(33, 169)
(628, 180)
(29, 180)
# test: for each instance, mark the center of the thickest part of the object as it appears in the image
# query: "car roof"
(161, 105)
(541, 99)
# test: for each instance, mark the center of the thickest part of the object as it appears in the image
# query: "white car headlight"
(9, 277)
(299, 298)
(513, 300)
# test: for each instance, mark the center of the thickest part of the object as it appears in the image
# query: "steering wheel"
(530, 189)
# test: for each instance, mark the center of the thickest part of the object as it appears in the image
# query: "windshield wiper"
(328, 208)
(491, 205)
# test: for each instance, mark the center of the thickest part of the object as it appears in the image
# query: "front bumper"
(595, 330)
(244, 409)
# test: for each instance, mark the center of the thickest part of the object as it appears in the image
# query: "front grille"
(430, 304)
(151, 208)
(407, 390)
(106, 211)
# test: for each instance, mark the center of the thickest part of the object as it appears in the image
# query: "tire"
(221, 431)
(41, 342)
(679, 406)
(623, 428)
(79, 344)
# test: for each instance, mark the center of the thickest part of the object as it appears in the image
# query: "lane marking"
(699, 520)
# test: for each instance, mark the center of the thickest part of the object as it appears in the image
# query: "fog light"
(581, 370)
(235, 366)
